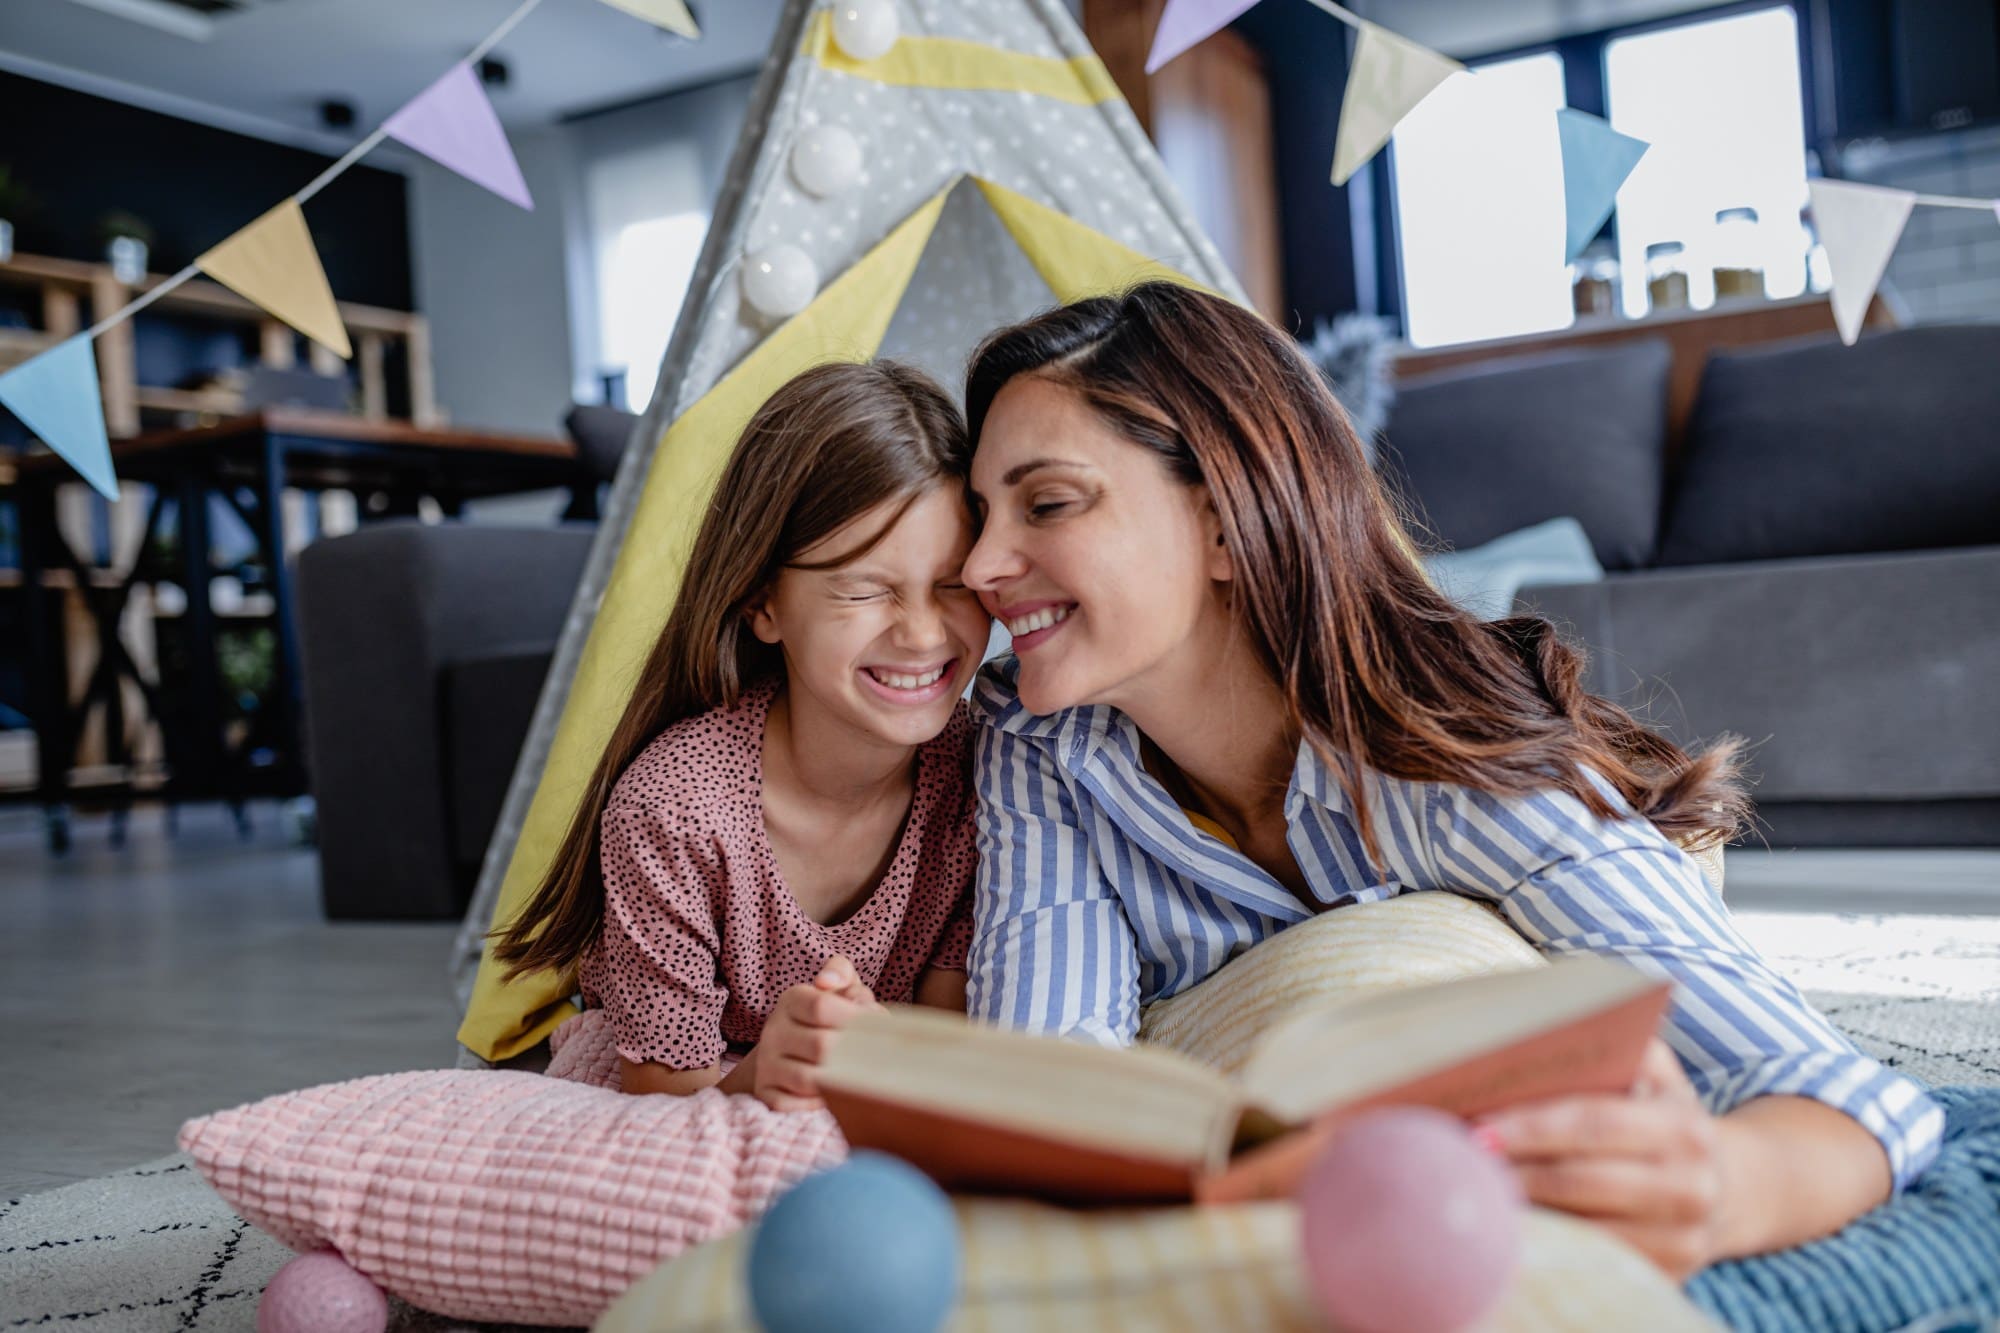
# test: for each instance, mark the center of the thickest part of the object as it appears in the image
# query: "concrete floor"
(143, 986)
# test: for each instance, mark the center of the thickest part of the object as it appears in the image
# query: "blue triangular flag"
(56, 397)
(1596, 160)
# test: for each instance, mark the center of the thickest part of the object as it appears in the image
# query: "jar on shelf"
(1739, 263)
(1667, 275)
(1593, 281)
(1819, 271)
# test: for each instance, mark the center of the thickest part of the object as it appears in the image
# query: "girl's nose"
(923, 623)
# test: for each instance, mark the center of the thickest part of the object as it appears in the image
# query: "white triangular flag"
(1389, 76)
(1859, 225)
(672, 15)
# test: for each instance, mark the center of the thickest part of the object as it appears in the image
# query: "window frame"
(1584, 89)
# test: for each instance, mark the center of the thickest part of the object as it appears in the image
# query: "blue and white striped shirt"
(1096, 896)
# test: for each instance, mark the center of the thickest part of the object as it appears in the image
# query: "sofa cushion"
(1814, 448)
(1490, 451)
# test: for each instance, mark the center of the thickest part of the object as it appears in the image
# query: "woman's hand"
(1650, 1166)
(797, 1036)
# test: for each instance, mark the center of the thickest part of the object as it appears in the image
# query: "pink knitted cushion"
(486, 1194)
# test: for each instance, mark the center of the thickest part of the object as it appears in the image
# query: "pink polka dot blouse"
(701, 936)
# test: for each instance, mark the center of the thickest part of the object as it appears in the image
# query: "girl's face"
(886, 642)
(1099, 562)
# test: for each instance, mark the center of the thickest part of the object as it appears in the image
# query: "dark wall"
(1305, 63)
(84, 156)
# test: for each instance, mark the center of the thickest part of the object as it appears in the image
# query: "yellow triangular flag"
(1390, 75)
(669, 14)
(272, 262)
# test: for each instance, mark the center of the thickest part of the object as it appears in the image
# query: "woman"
(1235, 702)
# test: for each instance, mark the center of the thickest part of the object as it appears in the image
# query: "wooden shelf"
(66, 285)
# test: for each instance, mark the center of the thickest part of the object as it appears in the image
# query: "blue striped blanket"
(1927, 1260)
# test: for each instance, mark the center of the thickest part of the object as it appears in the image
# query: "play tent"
(1000, 173)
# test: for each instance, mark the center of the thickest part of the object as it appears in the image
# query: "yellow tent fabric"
(846, 321)
(944, 62)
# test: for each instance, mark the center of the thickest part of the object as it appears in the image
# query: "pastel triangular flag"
(56, 397)
(453, 124)
(1389, 76)
(1596, 159)
(272, 262)
(669, 14)
(1859, 225)
(1186, 22)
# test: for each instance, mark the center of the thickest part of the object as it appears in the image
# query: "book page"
(1342, 1052)
(1145, 1102)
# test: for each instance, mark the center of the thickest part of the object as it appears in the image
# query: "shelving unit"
(66, 285)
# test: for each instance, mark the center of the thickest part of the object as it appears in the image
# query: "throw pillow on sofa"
(1490, 451)
(1813, 448)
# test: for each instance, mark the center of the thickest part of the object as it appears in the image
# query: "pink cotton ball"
(1408, 1225)
(320, 1293)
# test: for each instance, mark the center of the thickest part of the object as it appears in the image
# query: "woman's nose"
(991, 562)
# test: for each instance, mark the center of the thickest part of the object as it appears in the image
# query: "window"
(1479, 205)
(1719, 100)
(648, 215)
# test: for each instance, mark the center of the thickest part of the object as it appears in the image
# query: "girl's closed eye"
(1042, 508)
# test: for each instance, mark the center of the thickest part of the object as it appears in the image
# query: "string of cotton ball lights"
(781, 280)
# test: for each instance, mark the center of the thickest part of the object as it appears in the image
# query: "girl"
(780, 828)
(1235, 702)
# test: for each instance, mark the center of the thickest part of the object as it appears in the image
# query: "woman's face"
(885, 643)
(1105, 569)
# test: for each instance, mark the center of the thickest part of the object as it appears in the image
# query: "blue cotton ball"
(868, 1247)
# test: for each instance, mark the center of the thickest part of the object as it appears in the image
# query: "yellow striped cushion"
(1031, 1267)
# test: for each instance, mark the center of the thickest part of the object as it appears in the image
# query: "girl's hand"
(1647, 1166)
(799, 1033)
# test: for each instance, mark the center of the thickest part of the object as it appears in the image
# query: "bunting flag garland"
(452, 123)
(56, 397)
(1387, 79)
(1596, 159)
(1185, 23)
(672, 15)
(272, 262)
(1859, 225)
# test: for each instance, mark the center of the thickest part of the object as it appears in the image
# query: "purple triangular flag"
(56, 397)
(1186, 22)
(452, 123)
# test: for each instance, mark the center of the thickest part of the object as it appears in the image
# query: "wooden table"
(248, 463)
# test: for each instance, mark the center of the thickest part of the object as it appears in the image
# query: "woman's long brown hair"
(829, 446)
(1379, 670)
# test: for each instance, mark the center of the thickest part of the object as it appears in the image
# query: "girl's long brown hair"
(829, 446)
(1378, 669)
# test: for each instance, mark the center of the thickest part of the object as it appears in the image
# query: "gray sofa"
(1815, 566)
(423, 649)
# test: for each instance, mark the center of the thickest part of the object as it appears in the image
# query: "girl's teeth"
(898, 681)
(1042, 619)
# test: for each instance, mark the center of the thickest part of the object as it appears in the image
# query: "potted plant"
(127, 242)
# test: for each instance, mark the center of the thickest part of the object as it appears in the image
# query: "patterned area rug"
(152, 1249)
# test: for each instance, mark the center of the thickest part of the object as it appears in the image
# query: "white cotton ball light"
(864, 29)
(779, 281)
(826, 160)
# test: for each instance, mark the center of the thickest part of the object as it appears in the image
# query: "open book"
(984, 1109)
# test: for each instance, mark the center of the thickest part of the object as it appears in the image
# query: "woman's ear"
(1218, 563)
